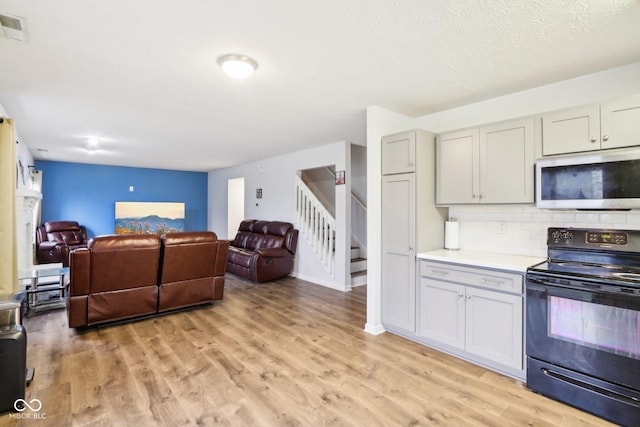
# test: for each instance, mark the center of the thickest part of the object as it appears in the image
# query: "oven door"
(587, 327)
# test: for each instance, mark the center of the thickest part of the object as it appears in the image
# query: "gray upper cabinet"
(399, 153)
(490, 164)
(457, 167)
(614, 124)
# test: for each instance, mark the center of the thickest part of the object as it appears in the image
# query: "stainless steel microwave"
(598, 180)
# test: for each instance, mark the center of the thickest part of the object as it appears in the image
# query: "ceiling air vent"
(13, 27)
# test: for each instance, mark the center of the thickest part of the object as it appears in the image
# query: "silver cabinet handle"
(593, 140)
(482, 195)
(440, 272)
(493, 282)
(468, 296)
(460, 294)
(605, 138)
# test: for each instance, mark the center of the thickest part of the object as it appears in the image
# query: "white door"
(235, 205)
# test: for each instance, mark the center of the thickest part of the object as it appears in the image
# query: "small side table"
(44, 278)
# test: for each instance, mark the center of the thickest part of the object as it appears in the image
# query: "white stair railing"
(316, 224)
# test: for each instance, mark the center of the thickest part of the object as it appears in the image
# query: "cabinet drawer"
(472, 276)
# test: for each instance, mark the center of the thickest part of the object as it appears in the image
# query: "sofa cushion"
(187, 255)
(239, 256)
(61, 226)
(113, 268)
(278, 228)
(68, 232)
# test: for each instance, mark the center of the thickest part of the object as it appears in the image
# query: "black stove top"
(623, 275)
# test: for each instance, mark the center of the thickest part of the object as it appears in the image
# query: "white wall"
(591, 88)
(275, 176)
(477, 223)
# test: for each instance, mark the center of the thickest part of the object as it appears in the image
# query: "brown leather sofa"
(55, 239)
(263, 250)
(126, 276)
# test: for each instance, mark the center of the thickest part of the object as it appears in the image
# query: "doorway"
(235, 205)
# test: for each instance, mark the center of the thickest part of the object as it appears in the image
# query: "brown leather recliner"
(192, 271)
(263, 250)
(55, 239)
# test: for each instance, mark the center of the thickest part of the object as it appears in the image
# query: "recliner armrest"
(49, 244)
(272, 252)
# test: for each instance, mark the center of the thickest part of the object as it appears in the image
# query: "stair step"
(358, 264)
(359, 278)
(355, 252)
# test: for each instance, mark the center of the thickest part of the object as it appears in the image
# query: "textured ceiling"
(141, 76)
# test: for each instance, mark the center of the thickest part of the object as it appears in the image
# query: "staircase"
(317, 226)
(358, 268)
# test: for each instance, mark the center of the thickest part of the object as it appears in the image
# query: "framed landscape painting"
(149, 217)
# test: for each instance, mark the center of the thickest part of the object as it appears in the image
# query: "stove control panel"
(589, 238)
(560, 236)
(606, 237)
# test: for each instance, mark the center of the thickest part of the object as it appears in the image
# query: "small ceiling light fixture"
(237, 66)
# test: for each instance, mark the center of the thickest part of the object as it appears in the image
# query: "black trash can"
(13, 355)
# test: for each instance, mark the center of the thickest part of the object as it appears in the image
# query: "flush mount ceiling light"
(237, 66)
(92, 145)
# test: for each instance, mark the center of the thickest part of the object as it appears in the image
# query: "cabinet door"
(399, 153)
(457, 167)
(494, 326)
(442, 312)
(398, 254)
(571, 131)
(507, 162)
(620, 123)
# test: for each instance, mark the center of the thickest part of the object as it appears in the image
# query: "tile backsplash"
(522, 230)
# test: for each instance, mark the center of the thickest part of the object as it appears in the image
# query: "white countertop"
(516, 263)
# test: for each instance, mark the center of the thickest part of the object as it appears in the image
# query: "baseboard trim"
(374, 329)
(320, 282)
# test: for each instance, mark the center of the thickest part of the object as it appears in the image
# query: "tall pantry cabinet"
(411, 223)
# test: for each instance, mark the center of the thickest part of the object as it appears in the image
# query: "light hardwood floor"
(281, 353)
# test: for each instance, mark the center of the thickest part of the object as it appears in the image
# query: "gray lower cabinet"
(473, 313)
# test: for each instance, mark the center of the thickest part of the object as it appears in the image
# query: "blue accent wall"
(87, 193)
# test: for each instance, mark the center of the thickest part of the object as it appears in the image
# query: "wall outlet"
(502, 227)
